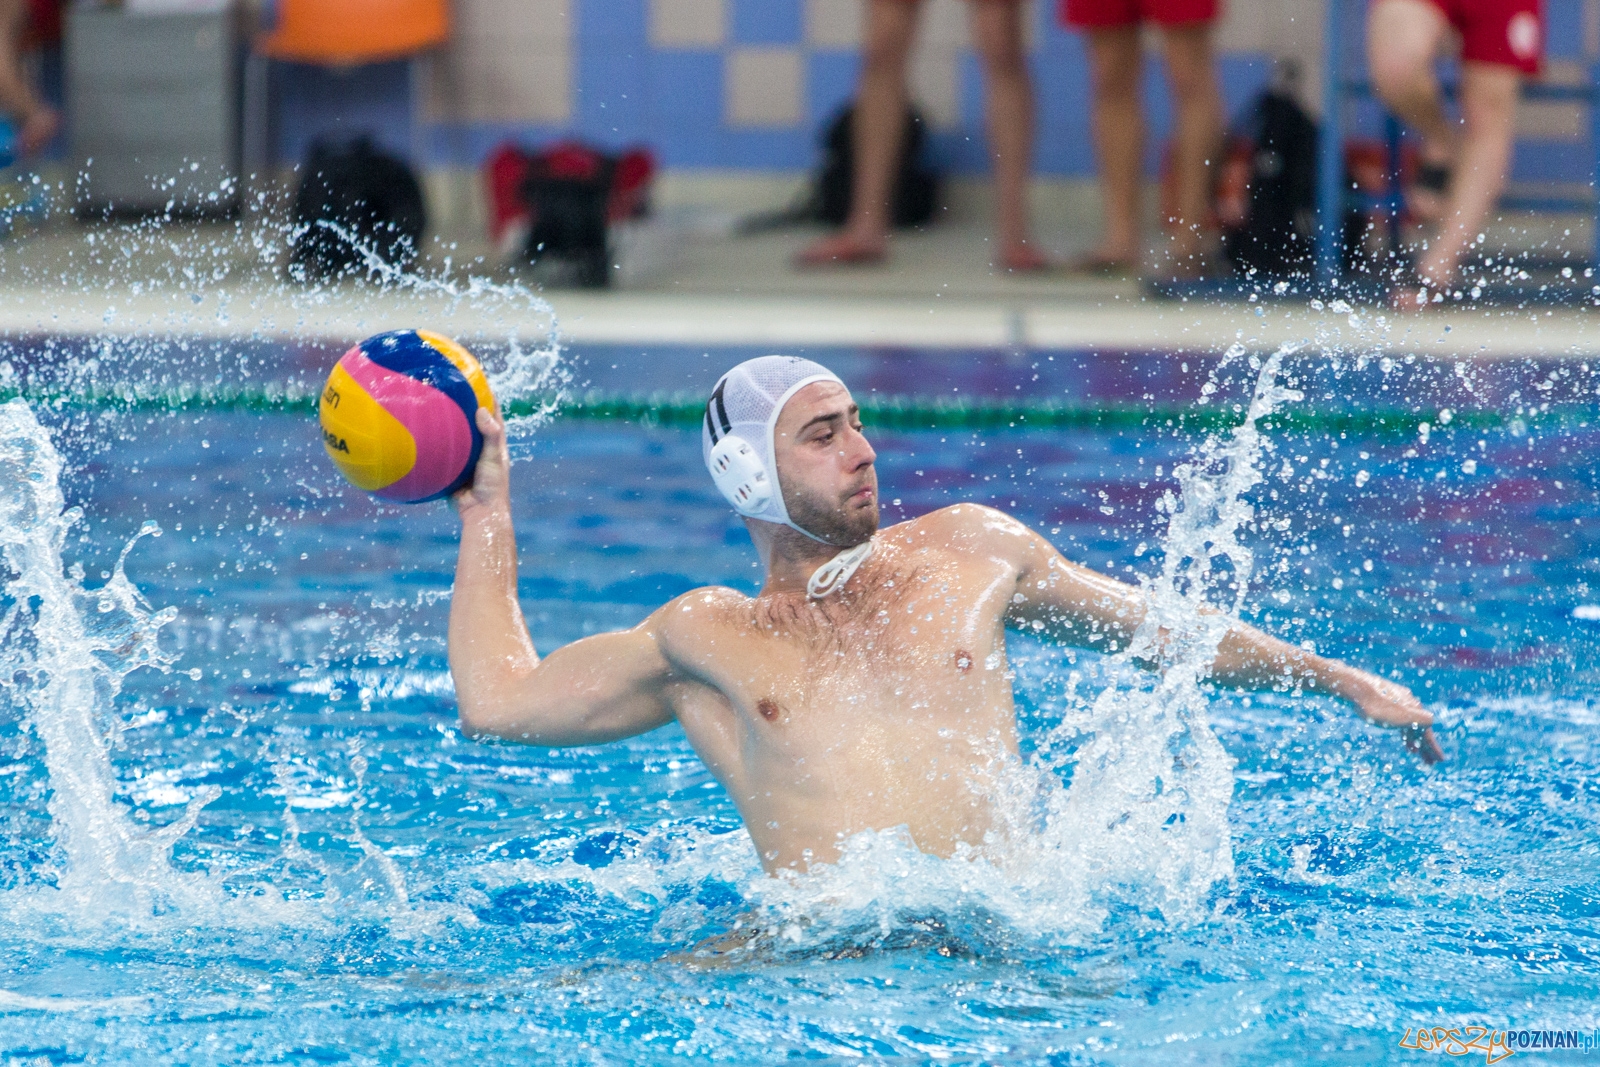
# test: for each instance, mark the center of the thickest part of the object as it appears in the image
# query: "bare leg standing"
(1197, 137)
(1403, 37)
(880, 117)
(1488, 111)
(997, 33)
(1116, 68)
(36, 123)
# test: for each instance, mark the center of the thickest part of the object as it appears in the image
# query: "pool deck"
(938, 292)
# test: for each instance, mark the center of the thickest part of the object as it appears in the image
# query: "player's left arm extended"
(1076, 605)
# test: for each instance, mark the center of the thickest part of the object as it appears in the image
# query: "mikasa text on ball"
(399, 415)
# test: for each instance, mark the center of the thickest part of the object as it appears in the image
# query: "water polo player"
(865, 687)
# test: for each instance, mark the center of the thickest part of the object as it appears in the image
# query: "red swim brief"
(1509, 33)
(1112, 14)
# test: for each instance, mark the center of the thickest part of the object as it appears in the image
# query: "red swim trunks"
(1112, 14)
(1508, 33)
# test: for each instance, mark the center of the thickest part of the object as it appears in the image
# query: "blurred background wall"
(741, 88)
(727, 84)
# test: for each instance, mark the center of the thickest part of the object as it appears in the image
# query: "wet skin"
(888, 704)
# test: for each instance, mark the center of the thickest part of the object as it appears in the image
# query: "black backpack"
(912, 200)
(354, 201)
(1279, 230)
(570, 219)
(916, 188)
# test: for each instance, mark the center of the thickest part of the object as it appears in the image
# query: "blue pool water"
(363, 885)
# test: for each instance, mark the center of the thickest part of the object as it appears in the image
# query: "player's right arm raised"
(595, 690)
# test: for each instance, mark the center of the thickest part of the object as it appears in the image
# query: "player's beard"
(837, 522)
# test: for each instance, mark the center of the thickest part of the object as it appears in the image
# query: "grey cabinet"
(153, 110)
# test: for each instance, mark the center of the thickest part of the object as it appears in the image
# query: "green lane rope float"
(889, 412)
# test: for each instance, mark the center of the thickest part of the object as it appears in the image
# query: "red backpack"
(559, 201)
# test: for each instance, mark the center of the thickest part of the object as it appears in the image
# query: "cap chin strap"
(831, 576)
(787, 521)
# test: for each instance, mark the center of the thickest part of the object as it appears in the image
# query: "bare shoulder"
(686, 625)
(967, 529)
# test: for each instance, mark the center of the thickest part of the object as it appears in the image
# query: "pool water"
(362, 884)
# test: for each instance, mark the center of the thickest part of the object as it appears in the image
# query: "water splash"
(1148, 805)
(65, 667)
(65, 651)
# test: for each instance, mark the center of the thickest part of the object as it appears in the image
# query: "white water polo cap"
(736, 437)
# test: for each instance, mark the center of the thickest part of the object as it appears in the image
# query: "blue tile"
(766, 22)
(1545, 161)
(312, 101)
(970, 90)
(960, 152)
(1047, 25)
(1366, 119)
(1065, 144)
(949, 152)
(1064, 135)
(1157, 115)
(766, 149)
(688, 145)
(624, 19)
(685, 145)
(830, 83)
(684, 86)
(611, 91)
(1564, 29)
(1241, 76)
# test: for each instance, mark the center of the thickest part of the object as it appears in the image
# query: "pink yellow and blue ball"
(399, 415)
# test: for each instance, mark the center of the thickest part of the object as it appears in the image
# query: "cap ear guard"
(739, 475)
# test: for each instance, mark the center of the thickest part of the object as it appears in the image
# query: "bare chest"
(904, 649)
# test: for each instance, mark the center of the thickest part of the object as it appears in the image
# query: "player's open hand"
(491, 478)
(1388, 704)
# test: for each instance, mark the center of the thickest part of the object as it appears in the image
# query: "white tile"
(764, 87)
(1552, 120)
(935, 85)
(543, 21)
(1564, 72)
(1282, 29)
(507, 61)
(944, 23)
(688, 23)
(833, 24)
(503, 84)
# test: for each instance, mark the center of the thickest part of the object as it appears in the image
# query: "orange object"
(345, 32)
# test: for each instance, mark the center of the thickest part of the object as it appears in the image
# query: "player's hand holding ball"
(490, 486)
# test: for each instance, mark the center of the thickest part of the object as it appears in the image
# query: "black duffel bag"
(357, 209)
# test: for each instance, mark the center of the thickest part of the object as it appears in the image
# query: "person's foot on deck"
(1023, 258)
(1435, 275)
(1437, 268)
(37, 130)
(844, 249)
(1106, 263)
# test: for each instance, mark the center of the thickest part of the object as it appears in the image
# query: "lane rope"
(893, 412)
